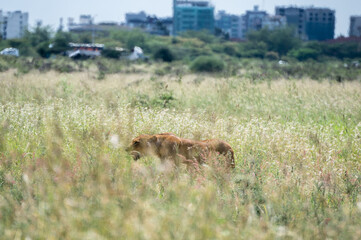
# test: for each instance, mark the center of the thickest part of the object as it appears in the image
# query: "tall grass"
(64, 173)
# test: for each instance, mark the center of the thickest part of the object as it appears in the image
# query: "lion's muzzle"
(135, 155)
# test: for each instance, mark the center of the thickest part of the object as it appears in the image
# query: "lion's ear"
(135, 143)
(153, 139)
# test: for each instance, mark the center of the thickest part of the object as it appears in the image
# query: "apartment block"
(254, 19)
(310, 24)
(237, 26)
(150, 24)
(231, 24)
(320, 24)
(13, 24)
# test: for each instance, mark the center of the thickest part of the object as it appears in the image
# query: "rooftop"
(193, 3)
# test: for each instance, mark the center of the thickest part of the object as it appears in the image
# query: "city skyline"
(102, 12)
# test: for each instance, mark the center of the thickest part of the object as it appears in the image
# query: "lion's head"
(142, 145)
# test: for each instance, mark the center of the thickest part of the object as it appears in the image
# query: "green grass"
(64, 173)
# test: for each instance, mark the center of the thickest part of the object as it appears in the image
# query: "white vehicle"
(10, 52)
(136, 54)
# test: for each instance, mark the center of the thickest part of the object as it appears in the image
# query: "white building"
(13, 24)
(85, 20)
(231, 24)
(355, 26)
(237, 26)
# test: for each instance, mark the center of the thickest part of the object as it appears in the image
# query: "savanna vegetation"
(64, 173)
(295, 127)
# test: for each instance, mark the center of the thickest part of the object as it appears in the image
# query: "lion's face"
(141, 146)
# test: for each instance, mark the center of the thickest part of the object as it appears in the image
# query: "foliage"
(130, 38)
(164, 54)
(65, 174)
(203, 36)
(304, 53)
(272, 56)
(61, 42)
(253, 49)
(207, 64)
(280, 40)
(111, 53)
(186, 47)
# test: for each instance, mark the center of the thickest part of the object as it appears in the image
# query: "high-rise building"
(192, 15)
(310, 23)
(295, 18)
(355, 26)
(320, 24)
(253, 20)
(13, 24)
(230, 24)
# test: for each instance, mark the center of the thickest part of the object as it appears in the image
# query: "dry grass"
(64, 173)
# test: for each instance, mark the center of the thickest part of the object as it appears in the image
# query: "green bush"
(253, 49)
(111, 53)
(272, 56)
(164, 54)
(207, 64)
(4, 63)
(304, 53)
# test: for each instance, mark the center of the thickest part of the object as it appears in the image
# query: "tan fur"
(167, 146)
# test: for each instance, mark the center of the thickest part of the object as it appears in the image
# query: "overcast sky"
(50, 11)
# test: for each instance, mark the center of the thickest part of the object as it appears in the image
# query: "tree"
(61, 42)
(304, 53)
(281, 40)
(38, 35)
(164, 54)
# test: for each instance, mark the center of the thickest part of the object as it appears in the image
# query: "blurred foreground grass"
(64, 173)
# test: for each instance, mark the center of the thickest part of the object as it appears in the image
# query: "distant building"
(355, 26)
(230, 24)
(86, 24)
(320, 24)
(254, 20)
(274, 22)
(295, 18)
(13, 24)
(150, 24)
(193, 15)
(85, 20)
(237, 26)
(310, 23)
(135, 19)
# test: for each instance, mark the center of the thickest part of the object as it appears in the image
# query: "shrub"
(111, 53)
(272, 56)
(4, 66)
(207, 64)
(304, 53)
(164, 54)
(230, 49)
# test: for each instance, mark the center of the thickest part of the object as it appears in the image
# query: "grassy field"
(64, 173)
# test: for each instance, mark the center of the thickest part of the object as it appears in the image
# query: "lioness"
(169, 146)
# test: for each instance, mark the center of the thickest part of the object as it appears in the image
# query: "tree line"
(273, 45)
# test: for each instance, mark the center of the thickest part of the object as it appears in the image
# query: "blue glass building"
(192, 16)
